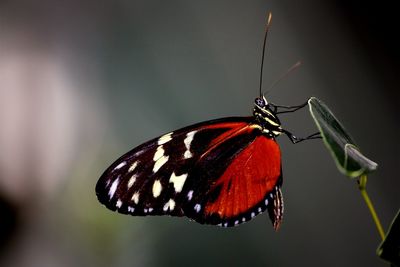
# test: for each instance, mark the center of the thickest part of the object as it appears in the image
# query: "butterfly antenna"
(284, 75)
(263, 51)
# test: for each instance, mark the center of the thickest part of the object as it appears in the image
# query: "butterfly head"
(265, 116)
(261, 102)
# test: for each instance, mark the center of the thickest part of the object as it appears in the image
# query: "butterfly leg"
(296, 139)
(291, 136)
(288, 108)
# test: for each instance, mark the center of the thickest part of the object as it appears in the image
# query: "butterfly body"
(222, 172)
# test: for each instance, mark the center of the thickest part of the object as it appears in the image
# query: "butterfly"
(221, 172)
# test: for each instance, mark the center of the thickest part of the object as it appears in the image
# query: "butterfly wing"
(241, 182)
(214, 172)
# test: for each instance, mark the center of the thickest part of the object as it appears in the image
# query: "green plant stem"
(362, 184)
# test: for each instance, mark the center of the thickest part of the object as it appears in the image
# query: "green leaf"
(389, 249)
(346, 154)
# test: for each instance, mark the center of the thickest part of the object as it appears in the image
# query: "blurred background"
(82, 82)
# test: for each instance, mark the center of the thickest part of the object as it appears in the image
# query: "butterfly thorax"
(266, 118)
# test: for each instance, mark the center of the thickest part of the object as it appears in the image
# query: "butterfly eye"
(259, 102)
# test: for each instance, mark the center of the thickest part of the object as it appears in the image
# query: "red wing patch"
(248, 181)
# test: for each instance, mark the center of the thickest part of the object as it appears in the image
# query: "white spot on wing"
(236, 222)
(113, 188)
(197, 207)
(131, 181)
(187, 154)
(178, 181)
(119, 166)
(188, 141)
(169, 205)
(159, 158)
(119, 203)
(157, 187)
(252, 215)
(164, 139)
(159, 153)
(133, 166)
(161, 161)
(135, 197)
(266, 202)
(131, 209)
(150, 210)
(190, 195)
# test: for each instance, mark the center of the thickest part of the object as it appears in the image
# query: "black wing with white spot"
(188, 173)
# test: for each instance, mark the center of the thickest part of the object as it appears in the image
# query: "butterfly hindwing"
(218, 172)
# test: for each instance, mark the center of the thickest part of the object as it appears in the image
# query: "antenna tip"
(269, 18)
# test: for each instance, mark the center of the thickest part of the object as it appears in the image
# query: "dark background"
(82, 82)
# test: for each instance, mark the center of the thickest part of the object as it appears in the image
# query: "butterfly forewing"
(220, 172)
